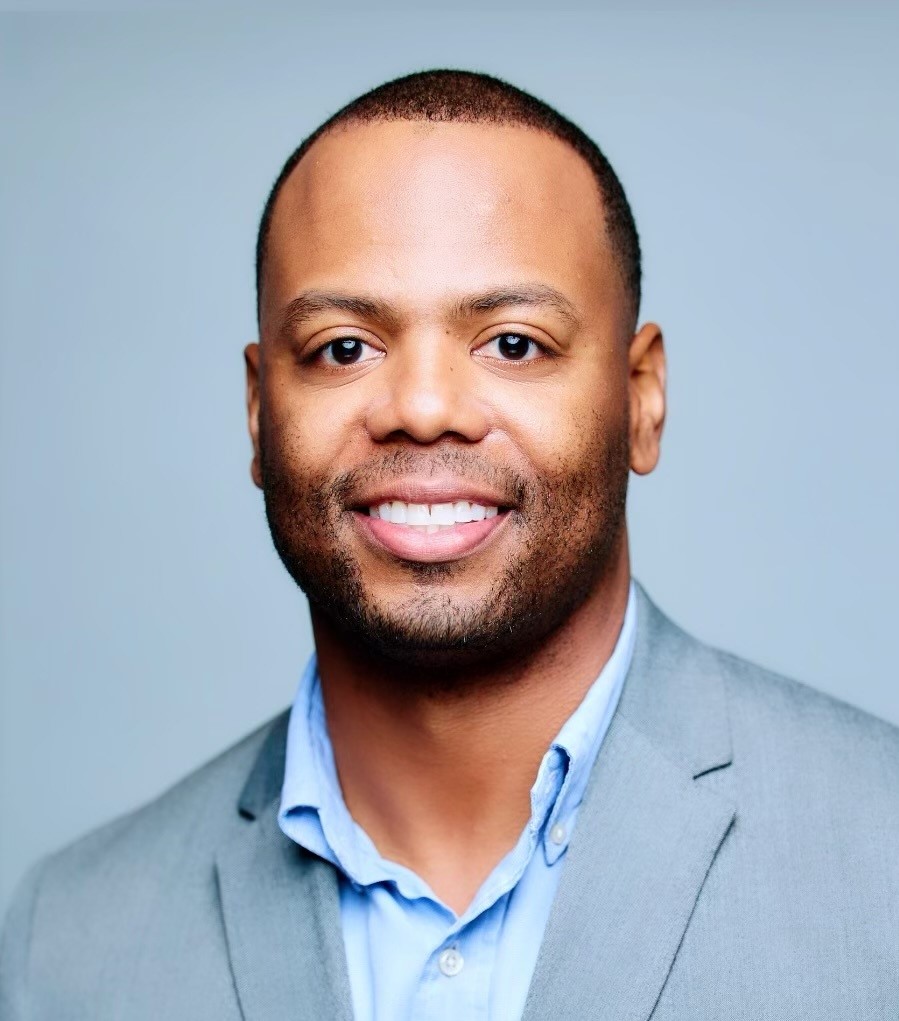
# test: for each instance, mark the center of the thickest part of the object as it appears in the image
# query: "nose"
(427, 391)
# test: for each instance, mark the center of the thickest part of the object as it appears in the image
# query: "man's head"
(448, 278)
(464, 97)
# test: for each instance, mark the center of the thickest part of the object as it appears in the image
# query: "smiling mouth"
(434, 517)
(430, 532)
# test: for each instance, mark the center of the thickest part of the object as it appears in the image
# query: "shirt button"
(450, 962)
(557, 834)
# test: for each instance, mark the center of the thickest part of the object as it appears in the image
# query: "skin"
(437, 741)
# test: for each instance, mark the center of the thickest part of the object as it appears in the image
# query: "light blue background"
(146, 621)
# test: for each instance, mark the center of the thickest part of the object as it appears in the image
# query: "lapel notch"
(646, 836)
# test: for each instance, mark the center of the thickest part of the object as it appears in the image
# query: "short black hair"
(475, 98)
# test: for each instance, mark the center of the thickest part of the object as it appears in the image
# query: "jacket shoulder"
(766, 695)
(140, 881)
(196, 803)
(690, 694)
(138, 850)
(825, 746)
(776, 709)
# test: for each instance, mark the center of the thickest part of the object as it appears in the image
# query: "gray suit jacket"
(736, 856)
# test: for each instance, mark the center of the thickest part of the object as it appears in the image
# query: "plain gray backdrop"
(146, 621)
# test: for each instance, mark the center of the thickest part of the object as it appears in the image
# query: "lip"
(407, 543)
(434, 489)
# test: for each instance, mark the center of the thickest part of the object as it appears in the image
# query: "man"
(508, 786)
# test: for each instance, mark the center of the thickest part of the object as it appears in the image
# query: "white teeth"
(418, 514)
(431, 517)
(462, 511)
(443, 514)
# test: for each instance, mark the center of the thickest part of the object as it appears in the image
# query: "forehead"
(420, 208)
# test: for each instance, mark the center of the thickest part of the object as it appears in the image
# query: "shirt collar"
(312, 811)
(577, 744)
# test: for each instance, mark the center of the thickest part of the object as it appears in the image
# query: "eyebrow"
(310, 303)
(531, 295)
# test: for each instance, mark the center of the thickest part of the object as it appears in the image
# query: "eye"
(347, 351)
(512, 347)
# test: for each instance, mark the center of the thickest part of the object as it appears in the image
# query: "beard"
(565, 531)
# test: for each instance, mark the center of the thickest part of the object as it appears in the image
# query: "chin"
(439, 643)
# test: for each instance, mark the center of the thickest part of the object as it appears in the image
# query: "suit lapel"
(646, 836)
(281, 910)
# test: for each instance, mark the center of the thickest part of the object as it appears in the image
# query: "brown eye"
(347, 351)
(512, 347)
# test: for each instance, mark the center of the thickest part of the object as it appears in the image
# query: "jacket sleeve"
(15, 948)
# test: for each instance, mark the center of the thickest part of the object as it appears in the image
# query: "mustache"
(464, 464)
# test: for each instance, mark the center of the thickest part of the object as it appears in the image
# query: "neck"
(441, 784)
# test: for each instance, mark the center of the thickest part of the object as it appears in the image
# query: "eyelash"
(545, 352)
(541, 348)
(319, 353)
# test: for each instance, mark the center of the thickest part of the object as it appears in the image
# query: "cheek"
(313, 430)
(559, 428)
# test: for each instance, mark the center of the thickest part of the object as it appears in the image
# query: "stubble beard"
(568, 525)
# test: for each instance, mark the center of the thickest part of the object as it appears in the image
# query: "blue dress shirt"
(409, 955)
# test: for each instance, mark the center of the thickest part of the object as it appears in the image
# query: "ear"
(252, 355)
(646, 361)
